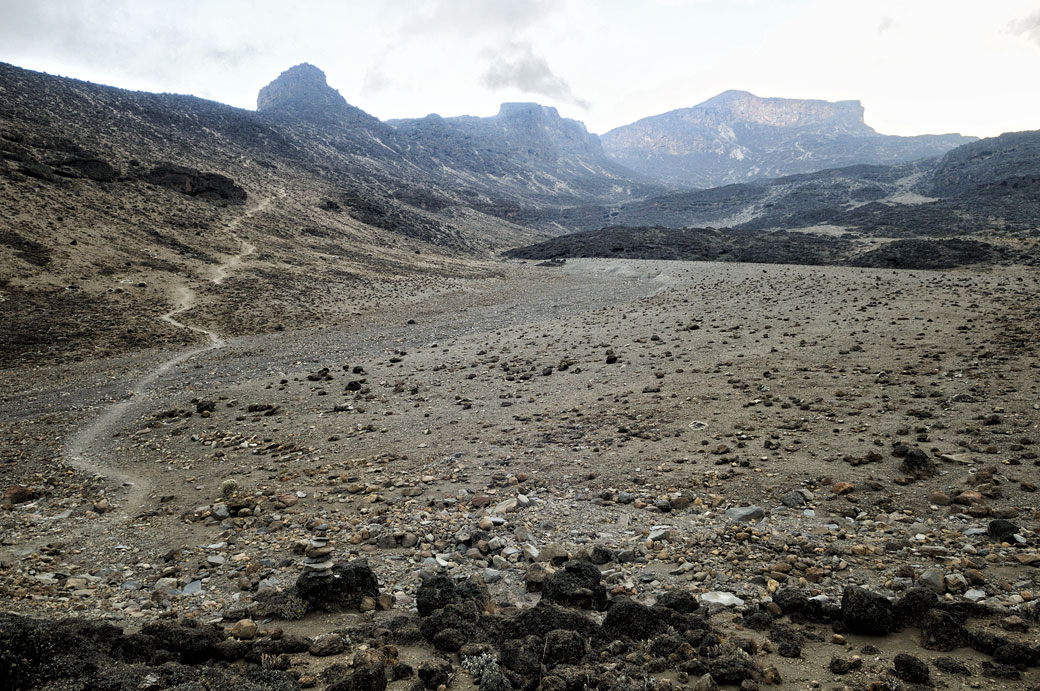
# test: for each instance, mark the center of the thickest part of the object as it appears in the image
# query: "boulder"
(576, 585)
(344, 589)
(866, 613)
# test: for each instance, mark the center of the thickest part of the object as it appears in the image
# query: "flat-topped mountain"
(737, 137)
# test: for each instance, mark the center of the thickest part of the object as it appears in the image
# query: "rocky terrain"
(648, 472)
(737, 137)
(275, 414)
(778, 247)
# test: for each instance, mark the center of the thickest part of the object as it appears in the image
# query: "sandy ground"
(620, 404)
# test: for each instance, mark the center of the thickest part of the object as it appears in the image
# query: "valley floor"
(735, 428)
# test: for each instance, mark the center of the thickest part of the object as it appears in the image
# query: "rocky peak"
(521, 110)
(535, 122)
(303, 91)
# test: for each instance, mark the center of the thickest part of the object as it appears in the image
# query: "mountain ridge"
(738, 137)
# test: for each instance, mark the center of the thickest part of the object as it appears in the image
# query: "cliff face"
(737, 136)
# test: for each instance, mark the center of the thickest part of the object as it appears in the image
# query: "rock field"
(609, 473)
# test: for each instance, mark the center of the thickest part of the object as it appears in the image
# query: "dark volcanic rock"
(1001, 530)
(942, 631)
(366, 678)
(912, 607)
(563, 647)
(80, 654)
(627, 619)
(929, 254)
(866, 613)
(349, 583)
(543, 618)
(679, 600)
(436, 672)
(797, 604)
(440, 590)
(576, 585)
(951, 666)
(87, 167)
(911, 669)
(302, 92)
(523, 656)
(766, 247)
(452, 627)
(917, 463)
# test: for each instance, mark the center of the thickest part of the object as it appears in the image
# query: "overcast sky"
(918, 66)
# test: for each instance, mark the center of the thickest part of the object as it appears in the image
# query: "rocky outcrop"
(195, 183)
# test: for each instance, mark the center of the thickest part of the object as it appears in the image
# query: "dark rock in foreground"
(866, 613)
(80, 654)
(576, 585)
(349, 584)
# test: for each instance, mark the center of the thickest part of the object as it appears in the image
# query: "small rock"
(721, 599)
(745, 513)
(933, 579)
(842, 488)
(911, 669)
(244, 630)
(1001, 530)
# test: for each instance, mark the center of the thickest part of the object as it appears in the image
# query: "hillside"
(114, 200)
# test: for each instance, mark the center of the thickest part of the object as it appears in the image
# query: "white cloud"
(517, 66)
(925, 66)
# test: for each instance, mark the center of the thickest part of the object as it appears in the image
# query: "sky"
(918, 66)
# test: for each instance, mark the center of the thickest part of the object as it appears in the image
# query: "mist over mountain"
(737, 137)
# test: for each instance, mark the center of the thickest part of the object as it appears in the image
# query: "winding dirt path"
(81, 448)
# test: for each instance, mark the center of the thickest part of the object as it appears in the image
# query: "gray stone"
(506, 506)
(166, 585)
(745, 513)
(933, 579)
(660, 532)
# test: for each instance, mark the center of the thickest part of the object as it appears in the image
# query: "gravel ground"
(687, 427)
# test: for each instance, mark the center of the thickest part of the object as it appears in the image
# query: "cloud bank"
(518, 66)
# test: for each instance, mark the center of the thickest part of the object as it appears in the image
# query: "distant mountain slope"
(991, 184)
(737, 137)
(527, 155)
(525, 146)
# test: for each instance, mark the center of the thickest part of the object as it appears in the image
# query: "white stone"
(722, 599)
